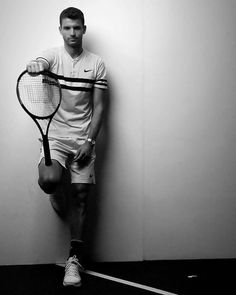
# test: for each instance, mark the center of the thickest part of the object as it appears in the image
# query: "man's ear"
(85, 28)
(59, 28)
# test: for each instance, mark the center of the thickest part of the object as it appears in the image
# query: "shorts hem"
(85, 181)
(62, 165)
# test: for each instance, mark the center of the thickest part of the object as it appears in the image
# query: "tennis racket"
(40, 97)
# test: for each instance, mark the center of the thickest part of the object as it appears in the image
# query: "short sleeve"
(48, 56)
(101, 75)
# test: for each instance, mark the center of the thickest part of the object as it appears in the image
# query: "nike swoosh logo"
(87, 71)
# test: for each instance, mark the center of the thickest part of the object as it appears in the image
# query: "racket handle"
(48, 161)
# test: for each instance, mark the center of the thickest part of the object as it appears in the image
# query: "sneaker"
(72, 276)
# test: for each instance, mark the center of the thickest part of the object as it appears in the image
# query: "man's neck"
(74, 52)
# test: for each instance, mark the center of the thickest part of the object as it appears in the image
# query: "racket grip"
(48, 161)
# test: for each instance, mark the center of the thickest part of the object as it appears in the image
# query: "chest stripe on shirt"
(70, 79)
(85, 89)
(75, 80)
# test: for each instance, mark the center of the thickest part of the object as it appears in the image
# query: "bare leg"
(78, 209)
(77, 214)
(60, 198)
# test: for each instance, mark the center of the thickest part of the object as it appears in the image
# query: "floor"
(186, 277)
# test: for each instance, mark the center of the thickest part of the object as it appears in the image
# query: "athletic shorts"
(64, 150)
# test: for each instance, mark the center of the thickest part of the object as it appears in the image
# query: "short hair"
(72, 13)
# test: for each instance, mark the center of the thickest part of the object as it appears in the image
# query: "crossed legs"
(49, 179)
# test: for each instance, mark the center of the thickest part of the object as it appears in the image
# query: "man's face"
(72, 31)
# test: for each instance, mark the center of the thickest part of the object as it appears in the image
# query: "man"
(75, 127)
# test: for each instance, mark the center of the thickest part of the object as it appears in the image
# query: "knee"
(48, 183)
(80, 195)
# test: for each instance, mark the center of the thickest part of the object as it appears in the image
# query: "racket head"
(39, 94)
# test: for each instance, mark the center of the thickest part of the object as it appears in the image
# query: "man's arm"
(96, 122)
(98, 110)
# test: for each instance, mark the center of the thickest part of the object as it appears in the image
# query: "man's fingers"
(34, 67)
(78, 156)
(81, 157)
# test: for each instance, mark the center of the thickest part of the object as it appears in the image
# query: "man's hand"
(35, 67)
(84, 152)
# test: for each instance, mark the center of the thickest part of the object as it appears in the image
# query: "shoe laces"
(73, 266)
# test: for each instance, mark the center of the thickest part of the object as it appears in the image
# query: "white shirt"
(77, 77)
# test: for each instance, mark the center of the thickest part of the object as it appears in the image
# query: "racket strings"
(39, 94)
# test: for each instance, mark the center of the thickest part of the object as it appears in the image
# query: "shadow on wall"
(96, 196)
(96, 199)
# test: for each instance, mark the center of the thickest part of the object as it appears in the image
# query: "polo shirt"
(78, 77)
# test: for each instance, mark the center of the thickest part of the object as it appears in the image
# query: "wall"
(189, 134)
(166, 155)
